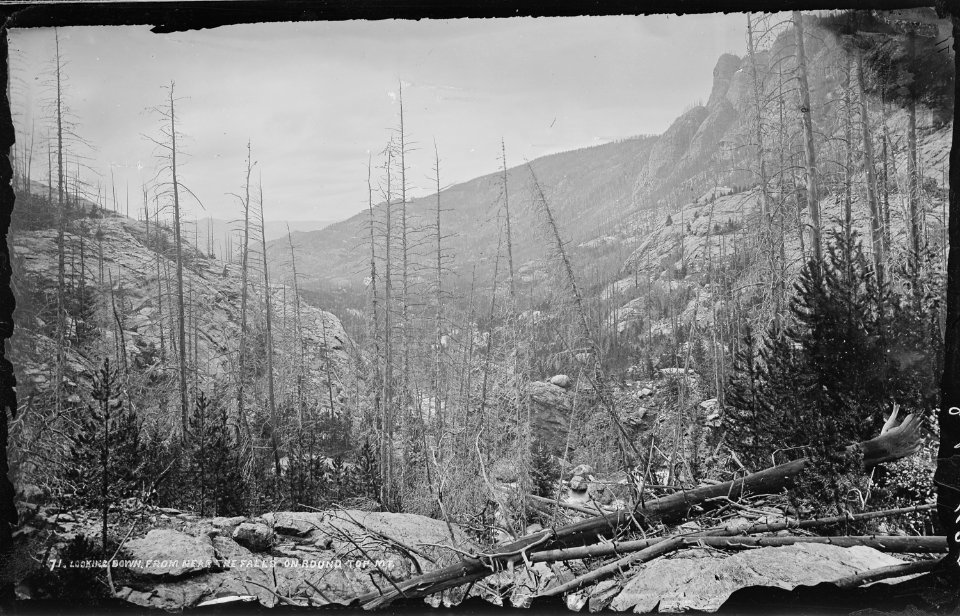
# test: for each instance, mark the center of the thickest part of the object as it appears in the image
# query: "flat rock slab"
(223, 522)
(303, 559)
(699, 580)
(169, 553)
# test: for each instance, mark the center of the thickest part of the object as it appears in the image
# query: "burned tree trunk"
(813, 199)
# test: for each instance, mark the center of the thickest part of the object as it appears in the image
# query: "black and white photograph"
(520, 314)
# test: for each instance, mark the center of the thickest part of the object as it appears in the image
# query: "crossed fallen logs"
(579, 540)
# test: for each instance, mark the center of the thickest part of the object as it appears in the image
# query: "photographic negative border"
(189, 15)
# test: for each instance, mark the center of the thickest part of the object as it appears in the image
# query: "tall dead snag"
(947, 477)
(374, 298)
(599, 379)
(156, 252)
(168, 145)
(386, 445)
(403, 402)
(268, 310)
(769, 245)
(244, 285)
(61, 229)
(803, 89)
(298, 330)
(758, 124)
(438, 300)
(506, 211)
(181, 331)
(876, 226)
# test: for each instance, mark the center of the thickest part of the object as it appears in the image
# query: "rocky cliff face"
(716, 231)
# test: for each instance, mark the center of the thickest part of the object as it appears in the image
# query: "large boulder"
(550, 413)
(561, 380)
(254, 536)
(169, 553)
(292, 522)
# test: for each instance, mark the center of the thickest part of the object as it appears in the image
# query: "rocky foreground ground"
(180, 560)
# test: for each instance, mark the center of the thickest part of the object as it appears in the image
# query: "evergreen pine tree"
(105, 460)
(851, 350)
(215, 461)
(368, 471)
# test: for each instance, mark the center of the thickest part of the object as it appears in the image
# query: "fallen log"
(772, 527)
(622, 547)
(882, 543)
(613, 548)
(669, 544)
(886, 573)
(654, 551)
(898, 442)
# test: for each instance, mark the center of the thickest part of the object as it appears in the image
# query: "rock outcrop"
(144, 304)
(170, 553)
(698, 580)
(673, 144)
(332, 557)
(254, 536)
(284, 558)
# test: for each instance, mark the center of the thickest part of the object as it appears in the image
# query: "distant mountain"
(593, 193)
(214, 231)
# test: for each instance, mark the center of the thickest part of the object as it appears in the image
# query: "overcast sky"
(315, 98)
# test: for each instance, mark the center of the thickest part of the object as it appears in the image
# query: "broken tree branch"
(885, 573)
(654, 551)
(663, 546)
(882, 543)
(897, 442)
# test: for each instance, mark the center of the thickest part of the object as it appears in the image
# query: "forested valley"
(636, 376)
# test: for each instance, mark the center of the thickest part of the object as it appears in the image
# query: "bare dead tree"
(374, 296)
(876, 226)
(803, 89)
(599, 379)
(438, 301)
(244, 291)
(507, 219)
(167, 143)
(271, 395)
(387, 420)
(297, 329)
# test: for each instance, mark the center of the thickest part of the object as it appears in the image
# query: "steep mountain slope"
(604, 176)
(213, 232)
(125, 299)
(681, 255)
